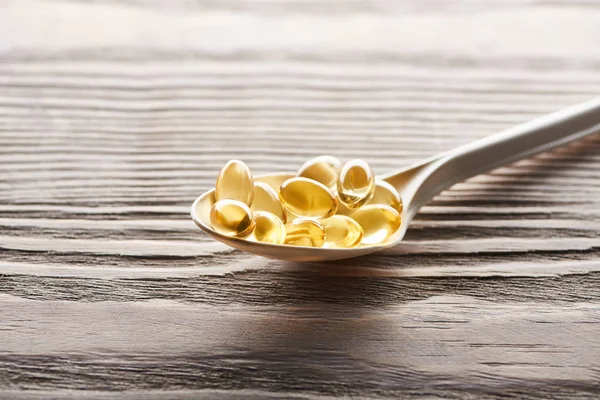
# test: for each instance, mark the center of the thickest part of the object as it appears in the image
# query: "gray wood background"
(115, 115)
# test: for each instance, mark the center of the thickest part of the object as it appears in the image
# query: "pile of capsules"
(324, 205)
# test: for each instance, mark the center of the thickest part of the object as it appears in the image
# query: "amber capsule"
(386, 194)
(305, 232)
(231, 218)
(266, 199)
(289, 216)
(342, 231)
(307, 198)
(343, 210)
(274, 180)
(356, 183)
(378, 221)
(235, 183)
(324, 169)
(268, 228)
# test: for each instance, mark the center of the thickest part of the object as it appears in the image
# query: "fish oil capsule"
(268, 228)
(378, 221)
(273, 180)
(324, 169)
(305, 232)
(235, 183)
(307, 198)
(231, 218)
(289, 216)
(386, 194)
(356, 183)
(343, 210)
(266, 199)
(342, 231)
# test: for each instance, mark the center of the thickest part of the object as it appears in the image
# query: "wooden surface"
(114, 116)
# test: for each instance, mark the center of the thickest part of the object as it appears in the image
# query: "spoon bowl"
(201, 212)
(419, 183)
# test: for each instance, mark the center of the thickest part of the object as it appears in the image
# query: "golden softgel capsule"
(235, 183)
(378, 221)
(266, 199)
(231, 218)
(384, 193)
(324, 169)
(356, 183)
(268, 228)
(342, 231)
(307, 198)
(305, 232)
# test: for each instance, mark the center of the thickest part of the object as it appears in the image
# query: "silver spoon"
(419, 183)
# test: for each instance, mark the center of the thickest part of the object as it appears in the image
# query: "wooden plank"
(330, 349)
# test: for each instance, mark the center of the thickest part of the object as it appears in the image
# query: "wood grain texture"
(114, 116)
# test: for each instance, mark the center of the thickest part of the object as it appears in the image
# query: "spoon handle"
(524, 140)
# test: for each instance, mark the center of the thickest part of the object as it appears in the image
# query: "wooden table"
(114, 116)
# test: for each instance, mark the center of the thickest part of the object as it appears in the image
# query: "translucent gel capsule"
(231, 218)
(324, 169)
(386, 194)
(266, 199)
(289, 216)
(307, 198)
(343, 210)
(235, 182)
(268, 228)
(355, 184)
(342, 231)
(378, 221)
(274, 180)
(305, 232)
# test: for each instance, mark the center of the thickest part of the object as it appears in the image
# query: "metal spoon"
(419, 183)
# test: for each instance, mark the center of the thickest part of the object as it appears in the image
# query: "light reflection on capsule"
(305, 232)
(323, 169)
(231, 218)
(268, 228)
(267, 199)
(386, 194)
(355, 184)
(307, 198)
(342, 231)
(235, 182)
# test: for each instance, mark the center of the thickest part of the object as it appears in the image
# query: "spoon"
(419, 183)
